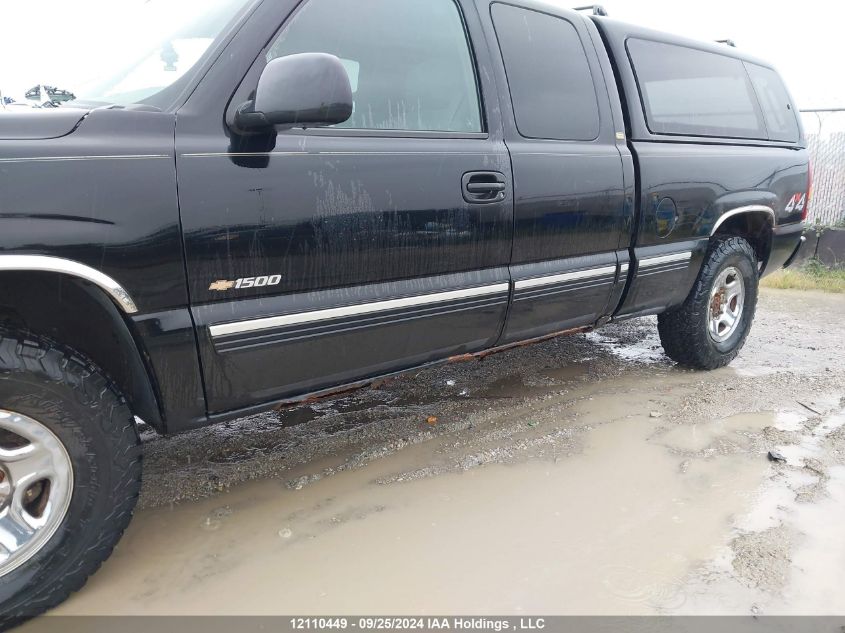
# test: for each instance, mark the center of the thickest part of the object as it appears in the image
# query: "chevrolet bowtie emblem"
(222, 285)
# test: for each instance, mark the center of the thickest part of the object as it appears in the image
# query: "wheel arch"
(754, 223)
(87, 313)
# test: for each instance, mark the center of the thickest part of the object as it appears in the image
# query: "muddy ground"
(585, 475)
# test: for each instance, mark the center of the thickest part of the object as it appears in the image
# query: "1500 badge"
(221, 285)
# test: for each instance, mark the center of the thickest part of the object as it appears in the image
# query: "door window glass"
(550, 82)
(408, 61)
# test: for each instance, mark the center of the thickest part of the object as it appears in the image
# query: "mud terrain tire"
(70, 397)
(684, 331)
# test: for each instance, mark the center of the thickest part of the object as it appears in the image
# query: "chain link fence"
(825, 130)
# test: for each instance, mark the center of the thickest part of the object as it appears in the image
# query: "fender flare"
(752, 208)
(136, 378)
(49, 264)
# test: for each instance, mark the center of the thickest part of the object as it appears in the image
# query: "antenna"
(730, 43)
(596, 9)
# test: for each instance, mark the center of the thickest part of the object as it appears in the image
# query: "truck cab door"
(573, 176)
(321, 257)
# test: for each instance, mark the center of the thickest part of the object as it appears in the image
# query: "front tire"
(70, 464)
(710, 328)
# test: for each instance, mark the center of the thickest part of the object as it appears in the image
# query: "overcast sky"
(60, 41)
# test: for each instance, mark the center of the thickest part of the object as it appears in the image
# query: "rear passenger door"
(331, 255)
(571, 221)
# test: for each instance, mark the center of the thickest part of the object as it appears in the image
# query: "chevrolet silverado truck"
(276, 200)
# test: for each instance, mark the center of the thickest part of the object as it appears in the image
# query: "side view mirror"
(304, 90)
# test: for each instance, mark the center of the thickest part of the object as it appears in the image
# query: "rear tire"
(56, 403)
(710, 328)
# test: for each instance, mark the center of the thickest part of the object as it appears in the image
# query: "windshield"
(142, 54)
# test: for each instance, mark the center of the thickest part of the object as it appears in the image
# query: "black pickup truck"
(280, 199)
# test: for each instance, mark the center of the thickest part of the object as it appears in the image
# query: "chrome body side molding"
(300, 318)
(47, 264)
(535, 282)
(54, 159)
(666, 259)
(753, 208)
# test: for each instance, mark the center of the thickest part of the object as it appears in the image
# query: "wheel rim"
(36, 484)
(727, 300)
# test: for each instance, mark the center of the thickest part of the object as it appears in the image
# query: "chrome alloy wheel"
(36, 484)
(727, 299)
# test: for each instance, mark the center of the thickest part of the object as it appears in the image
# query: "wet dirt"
(584, 475)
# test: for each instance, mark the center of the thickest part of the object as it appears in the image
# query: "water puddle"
(698, 437)
(646, 351)
(786, 557)
(568, 373)
(513, 387)
(817, 572)
(502, 539)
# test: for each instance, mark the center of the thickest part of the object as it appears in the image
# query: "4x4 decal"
(797, 203)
